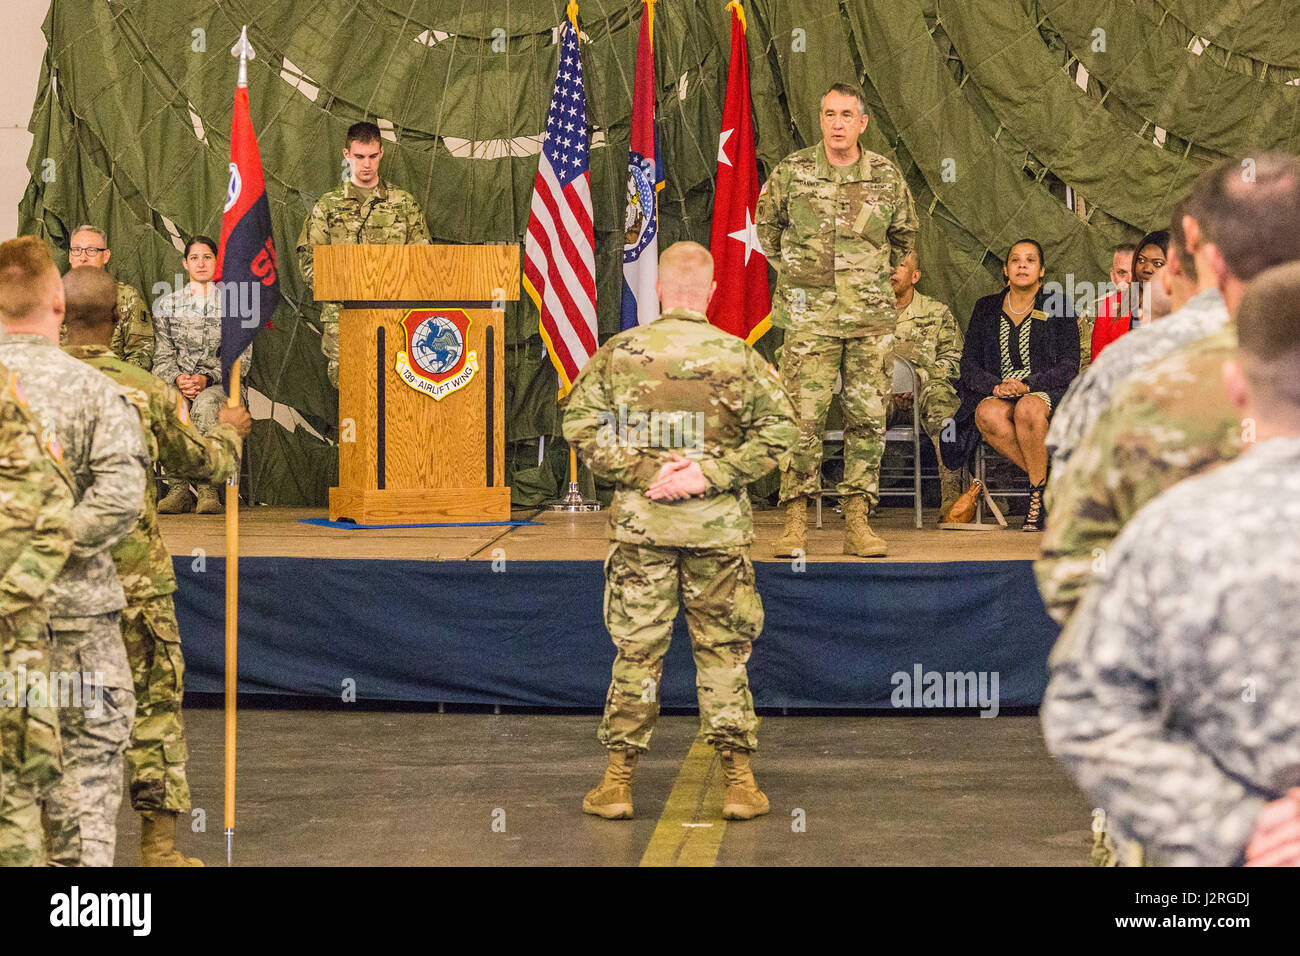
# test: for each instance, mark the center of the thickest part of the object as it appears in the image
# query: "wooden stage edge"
(279, 532)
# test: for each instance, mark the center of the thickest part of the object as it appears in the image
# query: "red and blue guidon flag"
(246, 265)
(645, 167)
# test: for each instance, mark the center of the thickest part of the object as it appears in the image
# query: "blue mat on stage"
(353, 526)
(837, 635)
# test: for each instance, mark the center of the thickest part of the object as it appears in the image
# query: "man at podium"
(365, 210)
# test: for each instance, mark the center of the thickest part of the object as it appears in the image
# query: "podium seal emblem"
(436, 361)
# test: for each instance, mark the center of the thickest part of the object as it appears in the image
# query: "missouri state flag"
(246, 264)
(742, 303)
(645, 167)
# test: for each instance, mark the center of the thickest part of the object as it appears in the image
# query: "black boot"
(1036, 518)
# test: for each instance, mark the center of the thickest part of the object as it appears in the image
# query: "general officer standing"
(365, 210)
(681, 416)
(160, 791)
(104, 451)
(835, 221)
(35, 541)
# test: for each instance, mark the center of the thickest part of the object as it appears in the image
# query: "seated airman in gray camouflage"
(682, 417)
(188, 341)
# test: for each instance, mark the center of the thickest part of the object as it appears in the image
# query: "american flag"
(560, 247)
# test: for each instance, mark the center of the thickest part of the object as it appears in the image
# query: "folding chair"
(982, 455)
(905, 381)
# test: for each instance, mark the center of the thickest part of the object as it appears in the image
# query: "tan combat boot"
(158, 840)
(177, 501)
(612, 798)
(859, 539)
(949, 488)
(743, 800)
(209, 501)
(795, 533)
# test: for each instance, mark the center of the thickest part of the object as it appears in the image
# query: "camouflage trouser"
(30, 754)
(809, 365)
(157, 754)
(81, 811)
(724, 615)
(939, 403)
(329, 339)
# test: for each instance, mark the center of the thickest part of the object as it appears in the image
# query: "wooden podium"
(421, 380)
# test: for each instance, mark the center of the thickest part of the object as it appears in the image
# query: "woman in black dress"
(1020, 355)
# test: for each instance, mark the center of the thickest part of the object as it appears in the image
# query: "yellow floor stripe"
(689, 832)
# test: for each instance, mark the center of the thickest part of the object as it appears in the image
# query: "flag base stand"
(573, 502)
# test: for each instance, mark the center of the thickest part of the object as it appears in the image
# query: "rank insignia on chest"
(436, 360)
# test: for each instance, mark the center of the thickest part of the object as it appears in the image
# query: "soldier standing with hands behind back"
(835, 221)
(365, 210)
(680, 520)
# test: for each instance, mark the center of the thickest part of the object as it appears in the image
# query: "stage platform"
(511, 615)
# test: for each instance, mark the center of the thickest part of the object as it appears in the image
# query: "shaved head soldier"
(716, 419)
(156, 757)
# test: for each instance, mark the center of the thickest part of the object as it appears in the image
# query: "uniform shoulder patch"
(182, 409)
(53, 445)
(16, 388)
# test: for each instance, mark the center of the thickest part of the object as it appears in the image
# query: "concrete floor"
(330, 788)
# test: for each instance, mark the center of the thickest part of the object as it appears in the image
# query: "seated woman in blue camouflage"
(1020, 355)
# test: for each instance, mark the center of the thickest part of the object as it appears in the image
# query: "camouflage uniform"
(349, 215)
(157, 752)
(1089, 394)
(834, 235)
(1173, 698)
(1086, 324)
(133, 338)
(104, 452)
(35, 540)
(710, 397)
(929, 337)
(188, 341)
(1168, 422)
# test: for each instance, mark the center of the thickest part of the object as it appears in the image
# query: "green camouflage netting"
(993, 111)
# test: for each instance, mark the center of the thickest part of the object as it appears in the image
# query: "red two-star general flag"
(743, 303)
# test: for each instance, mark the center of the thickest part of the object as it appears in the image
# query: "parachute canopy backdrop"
(1078, 122)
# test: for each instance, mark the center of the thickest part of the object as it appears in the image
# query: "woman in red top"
(1118, 316)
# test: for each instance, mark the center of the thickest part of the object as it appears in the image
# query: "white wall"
(22, 47)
